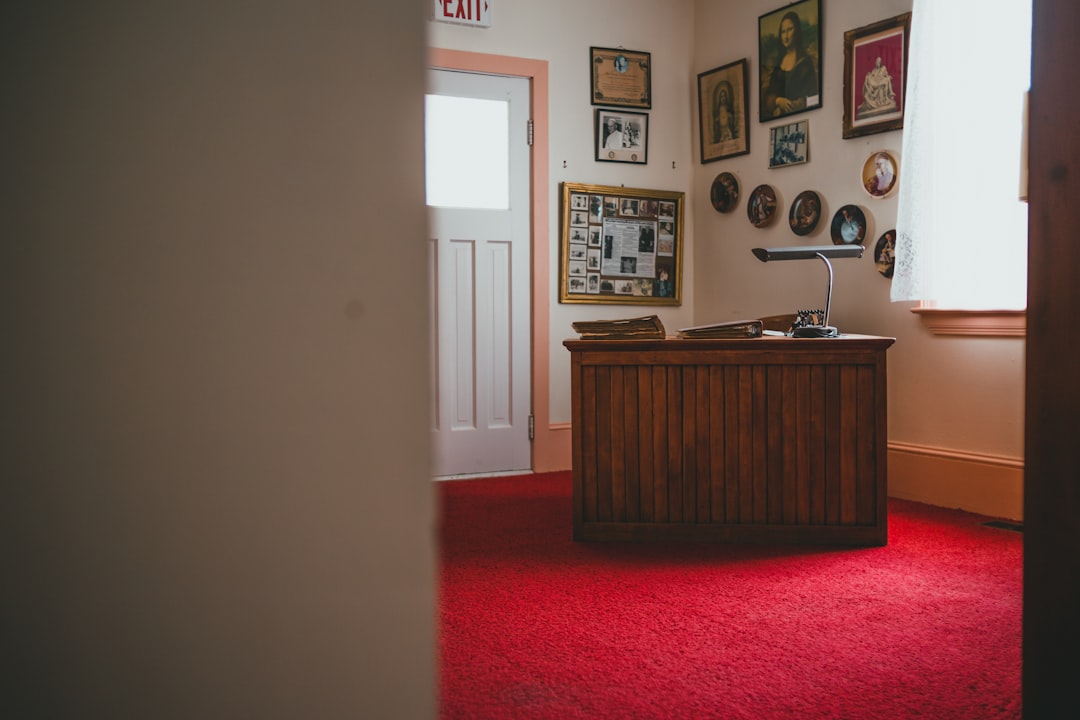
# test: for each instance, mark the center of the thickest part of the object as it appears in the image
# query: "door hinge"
(532, 427)
(529, 132)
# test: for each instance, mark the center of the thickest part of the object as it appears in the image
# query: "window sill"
(985, 323)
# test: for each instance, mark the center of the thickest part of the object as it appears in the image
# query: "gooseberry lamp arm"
(809, 252)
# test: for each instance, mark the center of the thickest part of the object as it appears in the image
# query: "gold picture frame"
(620, 245)
(621, 78)
(723, 117)
(875, 76)
(789, 60)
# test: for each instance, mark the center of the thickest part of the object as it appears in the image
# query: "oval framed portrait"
(762, 206)
(885, 253)
(724, 193)
(880, 174)
(805, 212)
(848, 226)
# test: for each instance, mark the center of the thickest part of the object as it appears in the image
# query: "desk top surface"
(673, 343)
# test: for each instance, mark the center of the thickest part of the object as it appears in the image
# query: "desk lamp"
(806, 253)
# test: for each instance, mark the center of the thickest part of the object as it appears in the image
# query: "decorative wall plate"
(762, 206)
(725, 192)
(805, 212)
(849, 226)
(880, 174)
(885, 253)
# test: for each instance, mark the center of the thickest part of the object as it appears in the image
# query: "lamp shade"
(823, 253)
(808, 252)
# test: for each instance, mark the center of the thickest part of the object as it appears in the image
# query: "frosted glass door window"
(467, 152)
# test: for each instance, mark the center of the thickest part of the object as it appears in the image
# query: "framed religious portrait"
(723, 100)
(621, 77)
(875, 76)
(789, 60)
(621, 136)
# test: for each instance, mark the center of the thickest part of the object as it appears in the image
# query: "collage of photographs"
(620, 246)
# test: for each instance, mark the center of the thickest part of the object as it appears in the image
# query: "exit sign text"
(464, 12)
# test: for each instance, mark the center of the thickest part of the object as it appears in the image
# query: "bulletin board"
(620, 245)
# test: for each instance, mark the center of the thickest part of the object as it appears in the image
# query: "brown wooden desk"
(774, 439)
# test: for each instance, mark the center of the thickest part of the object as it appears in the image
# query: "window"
(961, 226)
(467, 152)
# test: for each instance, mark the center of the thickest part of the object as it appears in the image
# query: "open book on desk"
(734, 329)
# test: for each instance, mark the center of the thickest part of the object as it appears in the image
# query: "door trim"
(551, 447)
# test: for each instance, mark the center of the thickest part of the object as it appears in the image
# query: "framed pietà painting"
(875, 76)
(789, 57)
(620, 245)
(723, 124)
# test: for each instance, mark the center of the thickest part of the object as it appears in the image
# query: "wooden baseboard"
(985, 484)
(556, 449)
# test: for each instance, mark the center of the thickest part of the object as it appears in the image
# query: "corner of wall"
(983, 484)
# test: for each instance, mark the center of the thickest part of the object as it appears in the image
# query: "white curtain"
(961, 228)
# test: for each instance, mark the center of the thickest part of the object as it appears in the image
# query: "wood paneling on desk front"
(774, 439)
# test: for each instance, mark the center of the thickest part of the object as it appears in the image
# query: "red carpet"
(534, 625)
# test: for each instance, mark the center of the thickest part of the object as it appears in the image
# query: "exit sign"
(464, 12)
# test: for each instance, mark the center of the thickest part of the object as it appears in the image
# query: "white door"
(477, 164)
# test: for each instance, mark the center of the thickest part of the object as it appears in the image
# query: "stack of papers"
(642, 328)
(735, 329)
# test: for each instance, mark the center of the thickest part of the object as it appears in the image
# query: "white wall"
(962, 395)
(216, 498)
(561, 32)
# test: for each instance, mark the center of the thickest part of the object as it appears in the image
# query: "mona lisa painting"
(789, 43)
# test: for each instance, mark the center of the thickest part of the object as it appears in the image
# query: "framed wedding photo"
(723, 124)
(875, 76)
(621, 77)
(789, 60)
(621, 136)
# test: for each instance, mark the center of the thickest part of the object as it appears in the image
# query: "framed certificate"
(620, 77)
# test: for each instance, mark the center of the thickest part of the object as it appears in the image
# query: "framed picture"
(875, 76)
(622, 136)
(723, 100)
(789, 144)
(805, 213)
(789, 56)
(639, 260)
(848, 226)
(762, 206)
(880, 173)
(724, 193)
(621, 77)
